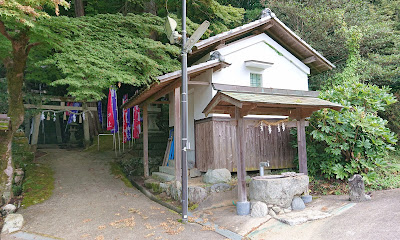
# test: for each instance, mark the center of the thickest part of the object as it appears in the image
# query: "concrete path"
(89, 203)
(375, 219)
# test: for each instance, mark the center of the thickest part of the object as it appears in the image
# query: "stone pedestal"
(153, 112)
(357, 189)
(72, 130)
(278, 191)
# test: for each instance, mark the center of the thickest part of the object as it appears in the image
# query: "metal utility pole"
(187, 44)
(184, 118)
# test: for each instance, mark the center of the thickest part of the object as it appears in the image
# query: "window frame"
(257, 74)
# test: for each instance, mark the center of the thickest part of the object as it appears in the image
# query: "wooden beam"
(58, 130)
(263, 28)
(302, 148)
(145, 142)
(198, 83)
(212, 104)
(309, 60)
(247, 108)
(54, 107)
(86, 126)
(161, 102)
(231, 100)
(240, 148)
(177, 134)
(35, 133)
(163, 92)
(220, 45)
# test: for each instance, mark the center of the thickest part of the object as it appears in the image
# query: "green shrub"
(355, 140)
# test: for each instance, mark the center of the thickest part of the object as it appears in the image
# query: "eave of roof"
(274, 28)
(297, 104)
(165, 80)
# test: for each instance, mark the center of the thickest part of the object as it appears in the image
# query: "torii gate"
(61, 107)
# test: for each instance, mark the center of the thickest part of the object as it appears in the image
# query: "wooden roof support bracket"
(247, 108)
(177, 83)
(263, 28)
(220, 44)
(309, 60)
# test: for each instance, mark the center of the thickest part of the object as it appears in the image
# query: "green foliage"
(355, 140)
(103, 50)
(221, 17)
(3, 96)
(116, 170)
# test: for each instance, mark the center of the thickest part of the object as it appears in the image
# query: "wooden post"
(177, 134)
(58, 126)
(301, 146)
(35, 134)
(27, 122)
(241, 165)
(145, 142)
(86, 126)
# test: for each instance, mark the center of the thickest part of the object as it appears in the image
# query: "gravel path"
(89, 203)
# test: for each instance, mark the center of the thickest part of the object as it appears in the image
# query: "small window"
(255, 80)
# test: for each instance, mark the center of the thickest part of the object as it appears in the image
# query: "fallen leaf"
(87, 220)
(149, 235)
(101, 237)
(208, 228)
(127, 222)
(101, 227)
(148, 226)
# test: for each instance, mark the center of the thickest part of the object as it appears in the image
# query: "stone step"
(171, 163)
(167, 169)
(163, 177)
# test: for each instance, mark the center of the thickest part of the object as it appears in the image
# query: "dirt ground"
(89, 203)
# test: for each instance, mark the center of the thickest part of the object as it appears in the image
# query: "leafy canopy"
(102, 50)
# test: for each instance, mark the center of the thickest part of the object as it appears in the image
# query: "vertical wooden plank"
(35, 134)
(27, 122)
(145, 142)
(177, 133)
(86, 126)
(241, 173)
(301, 143)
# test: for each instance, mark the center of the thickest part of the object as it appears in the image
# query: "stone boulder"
(220, 187)
(12, 223)
(357, 189)
(175, 190)
(217, 176)
(278, 191)
(259, 209)
(194, 172)
(9, 208)
(298, 204)
(196, 194)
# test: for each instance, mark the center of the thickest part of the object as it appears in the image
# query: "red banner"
(110, 112)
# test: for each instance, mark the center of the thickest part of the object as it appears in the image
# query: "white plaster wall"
(202, 95)
(287, 72)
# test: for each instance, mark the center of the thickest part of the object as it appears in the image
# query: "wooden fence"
(216, 141)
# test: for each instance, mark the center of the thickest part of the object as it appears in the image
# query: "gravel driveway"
(89, 203)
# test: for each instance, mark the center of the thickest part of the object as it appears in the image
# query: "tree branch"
(30, 46)
(4, 31)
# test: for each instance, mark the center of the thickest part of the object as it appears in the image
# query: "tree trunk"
(151, 7)
(6, 167)
(15, 66)
(79, 9)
